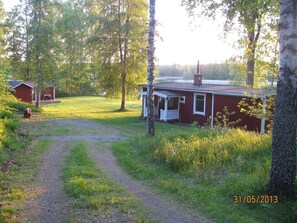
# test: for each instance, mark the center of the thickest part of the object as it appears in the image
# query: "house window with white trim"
(199, 104)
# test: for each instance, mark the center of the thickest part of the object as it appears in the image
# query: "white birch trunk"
(151, 67)
(283, 166)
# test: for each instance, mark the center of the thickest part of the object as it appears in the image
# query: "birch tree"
(283, 166)
(249, 15)
(120, 34)
(18, 40)
(151, 67)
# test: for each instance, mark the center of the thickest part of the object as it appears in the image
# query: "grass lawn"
(206, 169)
(221, 173)
(105, 111)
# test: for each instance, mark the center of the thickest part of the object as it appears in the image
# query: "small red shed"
(22, 90)
(26, 91)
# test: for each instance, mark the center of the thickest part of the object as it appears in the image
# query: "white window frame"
(194, 104)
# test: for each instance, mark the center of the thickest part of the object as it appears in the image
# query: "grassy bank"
(18, 160)
(94, 193)
(15, 183)
(211, 171)
(12, 138)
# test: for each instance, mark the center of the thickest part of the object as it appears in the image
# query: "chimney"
(198, 76)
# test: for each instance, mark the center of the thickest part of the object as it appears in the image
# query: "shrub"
(20, 106)
(10, 142)
(7, 114)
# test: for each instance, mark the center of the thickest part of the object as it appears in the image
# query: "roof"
(164, 94)
(208, 88)
(15, 84)
(31, 84)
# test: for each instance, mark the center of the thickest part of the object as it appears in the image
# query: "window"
(199, 104)
(173, 104)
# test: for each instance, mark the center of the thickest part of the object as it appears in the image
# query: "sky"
(180, 42)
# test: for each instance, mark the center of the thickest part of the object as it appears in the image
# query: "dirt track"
(51, 205)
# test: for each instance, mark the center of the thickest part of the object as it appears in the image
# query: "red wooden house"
(26, 91)
(188, 103)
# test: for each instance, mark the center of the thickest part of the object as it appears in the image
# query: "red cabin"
(188, 103)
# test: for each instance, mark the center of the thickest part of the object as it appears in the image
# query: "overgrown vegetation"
(12, 139)
(206, 169)
(94, 193)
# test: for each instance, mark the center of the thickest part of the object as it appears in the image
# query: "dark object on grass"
(7, 165)
(27, 113)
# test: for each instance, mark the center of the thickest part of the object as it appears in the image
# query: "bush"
(7, 114)
(10, 141)
(20, 106)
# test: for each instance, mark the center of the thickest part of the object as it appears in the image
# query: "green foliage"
(189, 155)
(222, 119)
(205, 169)
(20, 106)
(256, 25)
(120, 32)
(83, 47)
(10, 140)
(255, 107)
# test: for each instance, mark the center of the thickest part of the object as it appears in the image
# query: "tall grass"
(232, 149)
(10, 140)
(206, 169)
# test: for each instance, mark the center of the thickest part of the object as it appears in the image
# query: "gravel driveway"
(51, 205)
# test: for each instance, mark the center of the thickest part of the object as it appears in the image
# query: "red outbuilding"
(26, 91)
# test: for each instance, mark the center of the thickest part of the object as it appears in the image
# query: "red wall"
(24, 93)
(231, 102)
(187, 116)
(46, 91)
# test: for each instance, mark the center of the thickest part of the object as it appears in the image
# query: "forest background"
(99, 47)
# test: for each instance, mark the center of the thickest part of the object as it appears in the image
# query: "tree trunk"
(123, 103)
(37, 15)
(151, 67)
(251, 59)
(283, 166)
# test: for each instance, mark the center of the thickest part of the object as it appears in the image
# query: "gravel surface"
(87, 138)
(51, 205)
(165, 211)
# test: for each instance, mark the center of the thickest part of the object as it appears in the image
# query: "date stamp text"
(253, 199)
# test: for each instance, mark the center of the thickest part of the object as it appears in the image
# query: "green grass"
(93, 192)
(11, 141)
(201, 168)
(206, 170)
(106, 112)
(99, 109)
